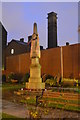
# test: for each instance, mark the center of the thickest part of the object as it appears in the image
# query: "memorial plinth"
(35, 80)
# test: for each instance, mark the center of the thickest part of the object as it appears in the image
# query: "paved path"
(15, 109)
(21, 111)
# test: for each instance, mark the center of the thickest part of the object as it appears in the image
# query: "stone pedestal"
(35, 80)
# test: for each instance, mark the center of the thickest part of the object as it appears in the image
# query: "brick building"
(17, 47)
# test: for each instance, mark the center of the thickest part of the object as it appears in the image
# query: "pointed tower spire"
(35, 28)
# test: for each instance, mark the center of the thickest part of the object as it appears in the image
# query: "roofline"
(16, 42)
(3, 27)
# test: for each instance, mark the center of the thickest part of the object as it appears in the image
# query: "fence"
(61, 60)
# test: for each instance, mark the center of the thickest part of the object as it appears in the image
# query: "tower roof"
(52, 13)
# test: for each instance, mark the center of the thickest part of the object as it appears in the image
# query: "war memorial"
(35, 80)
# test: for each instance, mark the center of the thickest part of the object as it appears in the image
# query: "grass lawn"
(62, 100)
(10, 117)
(63, 107)
(57, 102)
(4, 116)
(8, 86)
(31, 101)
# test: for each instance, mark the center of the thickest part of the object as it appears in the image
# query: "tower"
(52, 30)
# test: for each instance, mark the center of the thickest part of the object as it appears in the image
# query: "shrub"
(11, 76)
(51, 82)
(19, 77)
(69, 82)
(14, 77)
(3, 78)
(79, 83)
(25, 78)
(49, 77)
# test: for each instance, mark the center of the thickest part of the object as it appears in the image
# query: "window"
(12, 51)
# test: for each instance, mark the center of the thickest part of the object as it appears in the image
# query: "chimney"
(67, 43)
(52, 30)
(21, 39)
